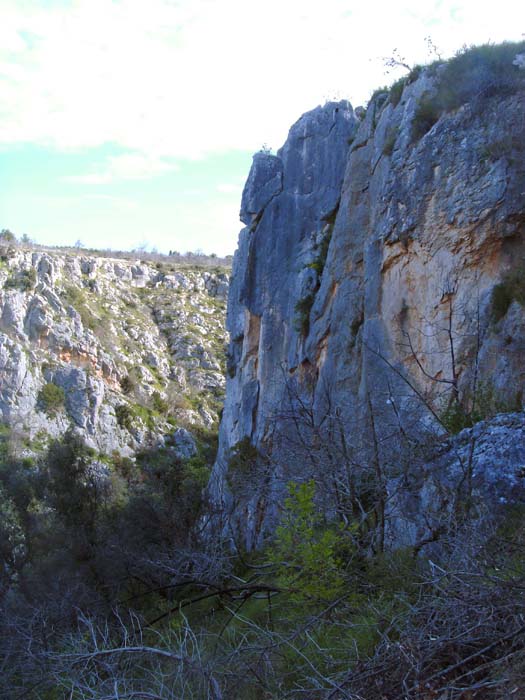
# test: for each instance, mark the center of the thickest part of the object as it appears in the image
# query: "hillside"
(123, 352)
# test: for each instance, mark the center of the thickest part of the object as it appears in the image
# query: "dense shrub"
(51, 398)
(426, 115)
(379, 96)
(396, 91)
(305, 549)
(302, 310)
(472, 76)
(127, 384)
(484, 404)
(304, 305)
(318, 264)
(24, 280)
(7, 236)
(77, 298)
(159, 404)
(480, 72)
(125, 416)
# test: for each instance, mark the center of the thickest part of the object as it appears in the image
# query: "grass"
(474, 75)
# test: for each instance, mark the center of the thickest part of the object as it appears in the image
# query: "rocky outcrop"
(124, 352)
(362, 289)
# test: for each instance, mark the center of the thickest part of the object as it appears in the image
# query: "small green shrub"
(125, 416)
(127, 384)
(473, 75)
(379, 96)
(319, 262)
(7, 236)
(396, 91)
(509, 146)
(302, 310)
(51, 398)
(480, 72)
(426, 115)
(511, 288)
(159, 404)
(485, 404)
(77, 299)
(146, 415)
(25, 280)
(455, 418)
(306, 550)
(414, 74)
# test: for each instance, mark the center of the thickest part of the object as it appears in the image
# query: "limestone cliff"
(127, 353)
(363, 308)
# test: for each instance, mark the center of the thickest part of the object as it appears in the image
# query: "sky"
(127, 123)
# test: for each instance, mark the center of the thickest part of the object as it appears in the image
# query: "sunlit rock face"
(363, 286)
(131, 353)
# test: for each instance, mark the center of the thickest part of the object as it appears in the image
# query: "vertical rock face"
(287, 204)
(363, 283)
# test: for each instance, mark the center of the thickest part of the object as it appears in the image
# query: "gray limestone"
(88, 324)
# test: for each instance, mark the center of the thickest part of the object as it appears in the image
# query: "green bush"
(379, 97)
(7, 236)
(473, 75)
(77, 299)
(243, 458)
(455, 418)
(302, 310)
(125, 416)
(510, 146)
(51, 398)
(396, 91)
(480, 72)
(127, 384)
(426, 115)
(319, 262)
(414, 74)
(159, 404)
(305, 549)
(484, 404)
(25, 280)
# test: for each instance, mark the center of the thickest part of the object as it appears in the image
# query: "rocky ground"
(127, 353)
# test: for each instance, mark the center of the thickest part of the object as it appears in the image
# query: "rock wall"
(361, 296)
(136, 349)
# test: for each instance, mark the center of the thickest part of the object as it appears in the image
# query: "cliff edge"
(376, 303)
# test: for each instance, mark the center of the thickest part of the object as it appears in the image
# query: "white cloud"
(128, 166)
(187, 78)
(230, 188)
